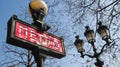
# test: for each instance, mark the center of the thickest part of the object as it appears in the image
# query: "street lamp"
(104, 32)
(79, 45)
(89, 34)
(38, 10)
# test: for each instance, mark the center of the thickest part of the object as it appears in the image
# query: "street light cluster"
(103, 31)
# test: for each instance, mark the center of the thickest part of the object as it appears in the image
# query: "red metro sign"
(40, 38)
(28, 36)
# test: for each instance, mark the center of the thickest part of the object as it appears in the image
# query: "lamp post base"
(99, 63)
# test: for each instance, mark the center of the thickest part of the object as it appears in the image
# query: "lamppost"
(38, 10)
(103, 31)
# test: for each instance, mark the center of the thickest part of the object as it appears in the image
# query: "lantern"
(89, 34)
(79, 44)
(103, 31)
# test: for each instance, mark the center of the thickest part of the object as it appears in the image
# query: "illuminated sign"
(28, 36)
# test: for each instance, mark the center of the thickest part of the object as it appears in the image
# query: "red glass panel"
(40, 38)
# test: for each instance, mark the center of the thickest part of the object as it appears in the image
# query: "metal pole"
(40, 62)
(39, 58)
(99, 63)
(29, 59)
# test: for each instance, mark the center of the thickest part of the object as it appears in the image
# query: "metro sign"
(29, 37)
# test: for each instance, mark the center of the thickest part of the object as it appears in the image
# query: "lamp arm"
(113, 41)
(89, 55)
(94, 49)
(102, 50)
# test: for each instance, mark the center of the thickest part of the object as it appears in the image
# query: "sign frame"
(13, 40)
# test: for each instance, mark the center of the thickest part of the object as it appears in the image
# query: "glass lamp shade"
(90, 36)
(104, 32)
(80, 45)
(38, 9)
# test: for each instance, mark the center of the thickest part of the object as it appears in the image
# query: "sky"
(8, 8)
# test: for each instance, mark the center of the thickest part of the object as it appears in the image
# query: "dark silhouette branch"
(108, 5)
(89, 4)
